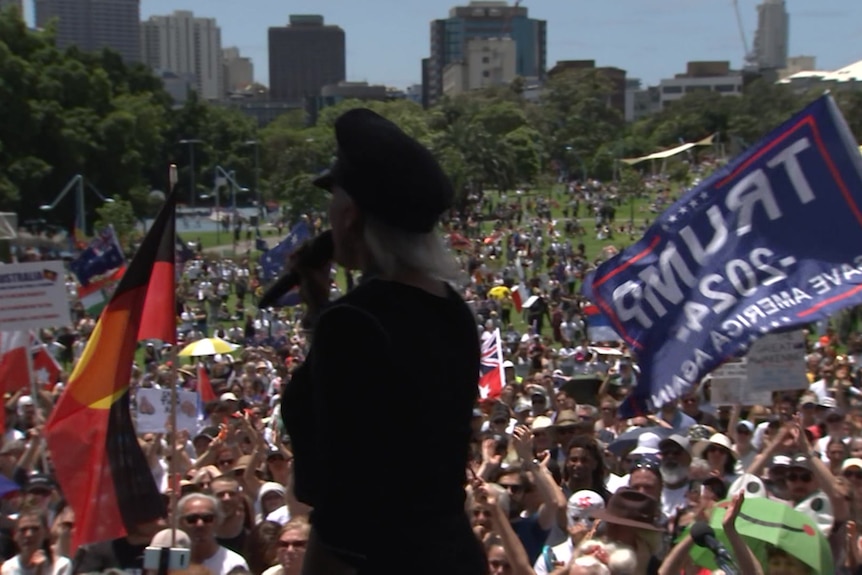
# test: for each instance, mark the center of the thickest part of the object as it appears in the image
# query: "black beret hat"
(387, 173)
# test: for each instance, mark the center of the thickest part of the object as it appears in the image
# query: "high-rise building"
(482, 20)
(185, 45)
(238, 70)
(772, 37)
(487, 62)
(95, 24)
(304, 57)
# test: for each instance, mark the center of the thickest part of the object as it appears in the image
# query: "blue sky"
(651, 39)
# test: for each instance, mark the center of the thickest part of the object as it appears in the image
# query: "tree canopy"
(66, 112)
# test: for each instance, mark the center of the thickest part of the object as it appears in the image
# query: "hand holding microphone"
(308, 267)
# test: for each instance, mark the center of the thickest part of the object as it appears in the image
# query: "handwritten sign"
(777, 362)
(33, 296)
(152, 409)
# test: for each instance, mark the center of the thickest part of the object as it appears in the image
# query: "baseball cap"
(39, 482)
(746, 424)
(852, 462)
(678, 440)
(801, 461)
(228, 396)
(780, 461)
(582, 503)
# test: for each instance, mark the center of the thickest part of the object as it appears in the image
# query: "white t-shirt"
(672, 499)
(223, 560)
(62, 566)
(562, 553)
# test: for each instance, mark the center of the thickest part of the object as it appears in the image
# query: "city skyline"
(651, 39)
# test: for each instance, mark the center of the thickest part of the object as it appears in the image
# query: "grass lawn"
(223, 240)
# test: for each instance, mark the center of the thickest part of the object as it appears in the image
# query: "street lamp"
(222, 174)
(79, 184)
(257, 193)
(191, 144)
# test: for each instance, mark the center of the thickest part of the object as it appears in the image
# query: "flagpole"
(34, 395)
(172, 464)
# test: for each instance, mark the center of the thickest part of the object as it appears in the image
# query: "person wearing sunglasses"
(804, 490)
(200, 517)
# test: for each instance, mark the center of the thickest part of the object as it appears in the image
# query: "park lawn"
(592, 244)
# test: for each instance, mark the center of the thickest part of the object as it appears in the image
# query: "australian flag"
(492, 378)
(273, 260)
(103, 255)
(770, 242)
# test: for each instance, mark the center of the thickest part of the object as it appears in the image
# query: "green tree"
(578, 118)
(119, 214)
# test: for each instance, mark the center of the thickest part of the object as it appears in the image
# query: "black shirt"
(235, 543)
(389, 383)
(116, 554)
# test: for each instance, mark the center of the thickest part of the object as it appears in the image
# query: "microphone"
(313, 254)
(704, 536)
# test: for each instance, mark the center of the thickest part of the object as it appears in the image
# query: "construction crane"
(749, 58)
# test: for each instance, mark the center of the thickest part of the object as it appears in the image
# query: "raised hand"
(729, 520)
(523, 442)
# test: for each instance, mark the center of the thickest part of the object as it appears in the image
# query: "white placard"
(733, 390)
(152, 409)
(777, 362)
(33, 296)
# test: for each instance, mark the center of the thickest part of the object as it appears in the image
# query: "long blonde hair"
(393, 249)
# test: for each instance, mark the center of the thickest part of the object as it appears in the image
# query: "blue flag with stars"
(770, 242)
(274, 259)
(103, 255)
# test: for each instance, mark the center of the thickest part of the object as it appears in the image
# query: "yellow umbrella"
(207, 346)
(499, 292)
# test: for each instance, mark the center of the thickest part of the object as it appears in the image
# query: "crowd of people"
(556, 482)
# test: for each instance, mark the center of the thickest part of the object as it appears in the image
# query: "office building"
(92, 25)
(186, 45)
(483, 20)
(487, 62)
(238, 70)
(305, 56)
(699, 77)
(772, 37)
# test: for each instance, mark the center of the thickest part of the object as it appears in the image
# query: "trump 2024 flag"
(770, 242)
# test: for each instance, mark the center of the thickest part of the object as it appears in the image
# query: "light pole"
(571, 151)
(191, 144)
(257, 193)
(222, 174)
(79, 184)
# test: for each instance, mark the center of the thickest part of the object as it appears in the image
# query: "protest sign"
(33, 296)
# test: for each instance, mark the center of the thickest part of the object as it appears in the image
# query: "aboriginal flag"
(98, 462)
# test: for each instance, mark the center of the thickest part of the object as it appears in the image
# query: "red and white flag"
(492, 378)
(519, 296)
(14, 374)
(205, 387)
(13, 360)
